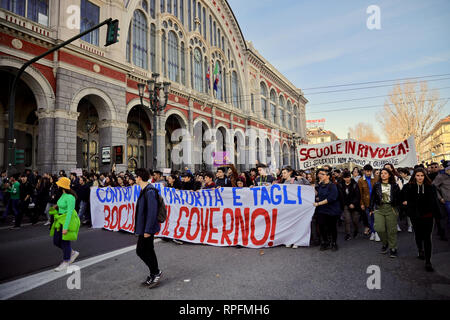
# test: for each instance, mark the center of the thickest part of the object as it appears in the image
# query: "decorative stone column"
(65, 140)
(46, 149)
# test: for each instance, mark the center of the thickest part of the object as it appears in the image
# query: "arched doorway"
(88, 136)
(173, 123)
(138, 139)
(26, 123)
(200, 144)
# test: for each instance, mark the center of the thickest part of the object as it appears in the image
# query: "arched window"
(152, 47)
(263, 92)
(163, 54)
(183, 64)
(273, 106)
(173, 57)
(282, 112)
(128, 44)
(219, 92)
(289, 115)
(235, 89)
(215, 34)
(225, 92)
(144, 5)
(198, 70)
(295, 117)
(152, 9)
(139, 37)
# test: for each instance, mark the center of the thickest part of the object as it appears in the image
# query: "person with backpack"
(351, 199)
(328, 210)
(146, 225)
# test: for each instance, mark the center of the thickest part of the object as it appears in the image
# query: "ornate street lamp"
(157, 105)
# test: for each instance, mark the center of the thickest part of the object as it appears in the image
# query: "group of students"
(380, 199)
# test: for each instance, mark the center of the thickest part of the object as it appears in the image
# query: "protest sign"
(402, 154)
(251, 217)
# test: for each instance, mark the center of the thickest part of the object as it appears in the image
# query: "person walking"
(420, 198)
(328, 210)
(26, 191)
(365, 185)
(442, 184)
(66, 223)
(146, 225)
(352, 199)
(13, 188)
(384, 201)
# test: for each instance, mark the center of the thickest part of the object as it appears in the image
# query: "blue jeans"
(14, 203)
(83, 209)
(371, 220)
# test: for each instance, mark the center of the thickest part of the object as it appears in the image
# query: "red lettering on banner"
(226, 232)
(338, 148)
(114, 213)
(387, 153)
(381, 153)
(256, 213)
(124, 206)
(189, 236)
(351, 147)
(274, 226)
(393, 151)
(134, 217)
(366, 151)
(244, 227)
(401, 148)
(177, 235)
(107, 217)
(373, 153)
(360, 150)
(166, 227)
(303, 152)
(212, 230)
(204, 224)
(326, 151)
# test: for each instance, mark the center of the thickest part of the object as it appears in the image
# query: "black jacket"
(422, 200)
(84, 192)
(376, 197)
(26, 189)
(188, 185)
(224, 182)
(351, 193)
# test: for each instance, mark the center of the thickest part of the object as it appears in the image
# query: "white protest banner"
(402, 154)
(251, 217)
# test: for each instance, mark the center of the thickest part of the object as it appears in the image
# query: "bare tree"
(410, 112)
(364, 132)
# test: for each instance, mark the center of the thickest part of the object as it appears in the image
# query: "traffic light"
(112, 33)
(19, 156)
(118, 154)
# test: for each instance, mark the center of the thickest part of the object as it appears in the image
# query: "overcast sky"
(327, 43)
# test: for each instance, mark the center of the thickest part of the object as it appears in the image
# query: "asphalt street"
(199, 272)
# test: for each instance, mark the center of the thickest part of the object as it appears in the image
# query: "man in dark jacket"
(26, 191)
(188, 182)
(146, 225)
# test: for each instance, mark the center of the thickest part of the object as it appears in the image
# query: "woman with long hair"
(66, 223)
(384, 201)
(420, 198)
(327, 209)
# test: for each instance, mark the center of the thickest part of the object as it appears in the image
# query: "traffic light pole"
(12, 96)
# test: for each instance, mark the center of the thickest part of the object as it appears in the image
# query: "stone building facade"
(81, 101)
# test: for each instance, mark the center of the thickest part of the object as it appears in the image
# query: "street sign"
(106, 155)
(19, 156)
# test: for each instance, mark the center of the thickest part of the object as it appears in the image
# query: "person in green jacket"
(66, 223)
(14, 191)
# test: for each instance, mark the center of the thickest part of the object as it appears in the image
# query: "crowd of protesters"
(377, 200)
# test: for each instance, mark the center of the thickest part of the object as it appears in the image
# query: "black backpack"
(162, 211)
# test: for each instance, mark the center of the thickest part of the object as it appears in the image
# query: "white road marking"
(14, 288)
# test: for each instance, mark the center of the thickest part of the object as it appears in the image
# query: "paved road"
(197, 272)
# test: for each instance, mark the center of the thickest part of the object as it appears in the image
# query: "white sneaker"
(47, 223)
(62, 266)
(294, 246)
(410, 230)
(74, 256)
(288, 245)
(372, 236)
(377, 238)
(398, 228)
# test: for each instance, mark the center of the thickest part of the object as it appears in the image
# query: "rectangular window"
(210, 31)
(169, 6)
(273, 113)
(200, 17)
(175, 8)
(90, 14)
(189, 15)
(152, 8)
(38, 11)
(182, 11)
(204, 24)
(163, 6)
(252, 98)
(16, 6)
